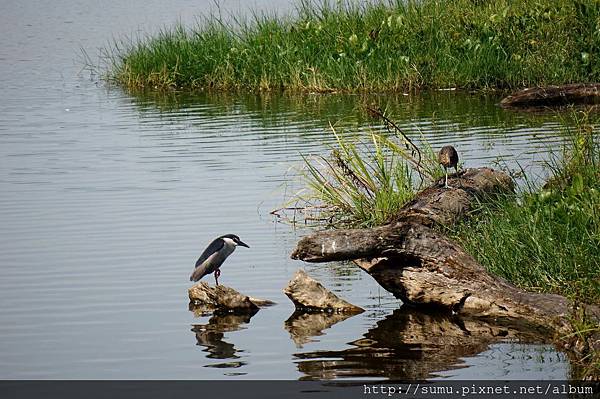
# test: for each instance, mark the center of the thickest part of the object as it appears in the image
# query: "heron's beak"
(243, 244)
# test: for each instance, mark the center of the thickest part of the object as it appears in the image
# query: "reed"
(393, 45)
(360, 184)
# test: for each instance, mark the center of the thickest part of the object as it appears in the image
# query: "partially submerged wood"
(421, 266)
(223, 299)
(553, 96)
(309, 295)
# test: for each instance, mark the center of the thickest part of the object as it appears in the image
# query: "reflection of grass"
(387, 46)
(456, 110)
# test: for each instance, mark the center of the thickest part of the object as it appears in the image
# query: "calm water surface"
(106, 200)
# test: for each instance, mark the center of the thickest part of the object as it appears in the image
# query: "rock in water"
(223, 298)
(308, 294)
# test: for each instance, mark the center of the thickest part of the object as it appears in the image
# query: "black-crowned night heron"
(448, 158)
(214, 255)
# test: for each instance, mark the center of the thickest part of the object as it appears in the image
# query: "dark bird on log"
(448, 158)
(214, 255)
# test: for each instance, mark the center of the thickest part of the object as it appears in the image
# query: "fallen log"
(437, 205)
(421, 266)
(433, 206)
(553, 96)
(223, 299)
(307, 294)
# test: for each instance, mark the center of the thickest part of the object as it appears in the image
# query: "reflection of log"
(421, 266)
(303, 326)
(579, 93)
(222, 299)
(309, 295)
(409, 345)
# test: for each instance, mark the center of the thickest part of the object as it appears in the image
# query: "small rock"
(223, 298)
(309, 294)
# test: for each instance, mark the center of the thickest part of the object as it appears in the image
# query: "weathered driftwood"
(552, 96)
(309, 295)
(437, 205)
(222, 299)
(423, 267)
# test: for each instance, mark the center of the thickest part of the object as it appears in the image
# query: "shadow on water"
(408, 345)
(211, 337)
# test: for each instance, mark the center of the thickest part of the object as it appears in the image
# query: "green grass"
(379, 46)
(549, 239)
(364, 182)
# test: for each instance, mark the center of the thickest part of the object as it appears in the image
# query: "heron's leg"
(217, 274)
(446, 181)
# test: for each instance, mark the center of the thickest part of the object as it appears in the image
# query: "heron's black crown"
(235, 239)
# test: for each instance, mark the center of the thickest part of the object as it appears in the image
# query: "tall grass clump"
(391, 45)
(549, 239)
(364, 182)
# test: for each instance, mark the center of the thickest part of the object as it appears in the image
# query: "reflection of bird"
(214, 255)
(211, 336)
(448, 158)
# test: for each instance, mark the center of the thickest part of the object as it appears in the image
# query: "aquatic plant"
(393, 45)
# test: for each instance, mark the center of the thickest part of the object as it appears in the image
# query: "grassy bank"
(380, 46)
(549, 239)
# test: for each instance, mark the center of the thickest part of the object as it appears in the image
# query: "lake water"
(107, 200)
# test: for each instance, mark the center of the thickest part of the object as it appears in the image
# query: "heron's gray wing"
(212, 248)
(202, 268)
